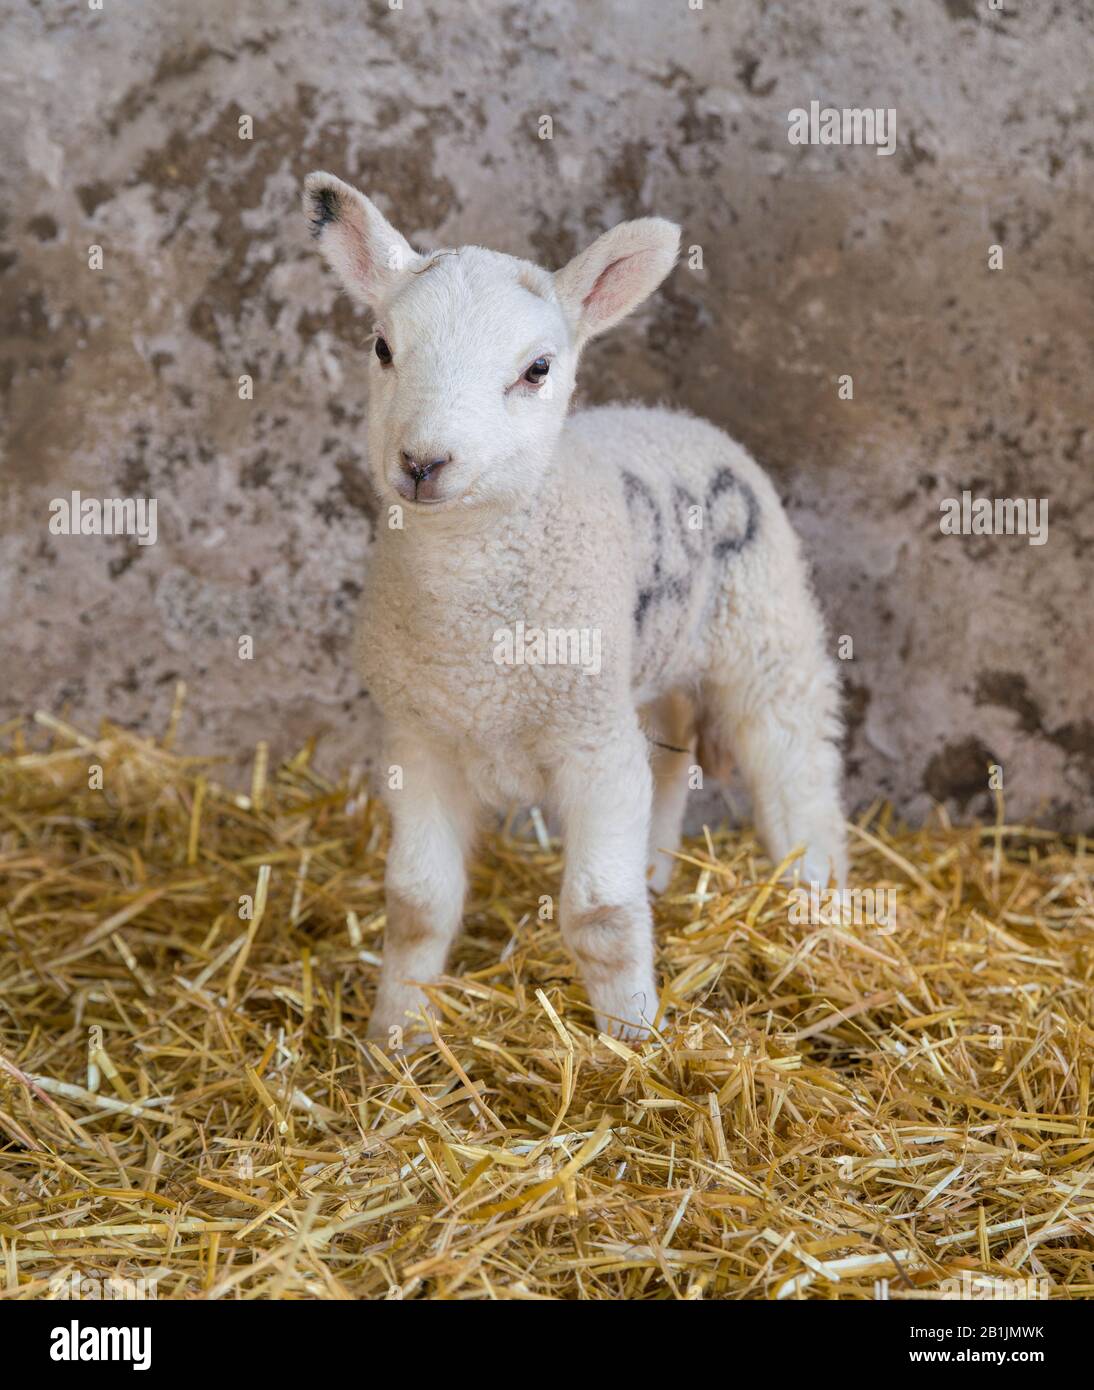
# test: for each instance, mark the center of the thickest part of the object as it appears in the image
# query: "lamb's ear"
(358, 242)
(616, 273)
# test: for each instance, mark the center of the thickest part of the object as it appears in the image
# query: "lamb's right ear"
(357, 241)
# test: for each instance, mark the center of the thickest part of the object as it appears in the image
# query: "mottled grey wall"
(121, 131)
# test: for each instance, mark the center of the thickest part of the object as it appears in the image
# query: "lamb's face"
(469, 381)
(475, 352)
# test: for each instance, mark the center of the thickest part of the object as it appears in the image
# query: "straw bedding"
(827, 1111)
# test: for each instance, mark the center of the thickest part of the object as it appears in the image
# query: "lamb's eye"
(383, 352)
(537, 371)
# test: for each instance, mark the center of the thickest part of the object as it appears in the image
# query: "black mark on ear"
(325, 209)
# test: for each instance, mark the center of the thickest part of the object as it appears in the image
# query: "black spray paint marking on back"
(724, 542)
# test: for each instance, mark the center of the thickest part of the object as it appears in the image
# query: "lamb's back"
(696, 504)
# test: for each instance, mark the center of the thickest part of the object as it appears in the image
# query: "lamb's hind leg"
(771, 696)
(670, 725)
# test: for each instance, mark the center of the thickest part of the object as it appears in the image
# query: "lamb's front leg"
(604, 799)
(432, 818)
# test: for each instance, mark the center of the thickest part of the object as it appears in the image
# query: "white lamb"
(643, 535)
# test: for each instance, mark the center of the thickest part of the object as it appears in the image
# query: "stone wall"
(818, 261)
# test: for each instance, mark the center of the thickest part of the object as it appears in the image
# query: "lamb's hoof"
(411, 1044)
(628, 1032)
(815, 866)
(630, 1014)
(659, 874)
(398, 1034)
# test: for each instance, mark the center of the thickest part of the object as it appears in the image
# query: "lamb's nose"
(420, 468)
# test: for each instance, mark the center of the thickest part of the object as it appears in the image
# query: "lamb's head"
(473, 363)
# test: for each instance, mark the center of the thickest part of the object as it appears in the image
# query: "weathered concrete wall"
(122, 131)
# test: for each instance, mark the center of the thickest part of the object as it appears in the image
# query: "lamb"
(645, 530)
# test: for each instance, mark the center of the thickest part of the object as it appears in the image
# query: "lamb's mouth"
(427, 502)
(407, 491)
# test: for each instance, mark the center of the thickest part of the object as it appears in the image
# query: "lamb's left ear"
(616, 273)
(356, 239)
